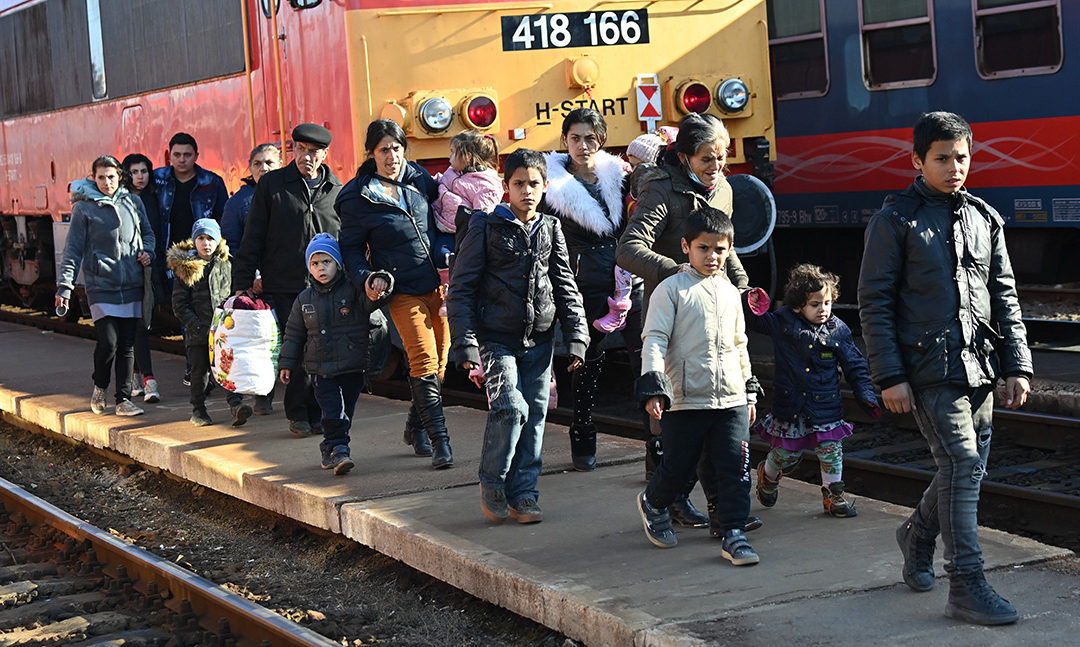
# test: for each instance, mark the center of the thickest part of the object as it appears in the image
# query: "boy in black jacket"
(203, 278)
(328, 328)
(511, 281)
(941, 321)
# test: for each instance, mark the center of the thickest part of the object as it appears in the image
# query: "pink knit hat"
(645, 147)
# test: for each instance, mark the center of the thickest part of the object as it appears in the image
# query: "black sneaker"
(327, 458)
(240, 414)
(493, 503)
(918, 554)
(200, 418)
(973, 600)
(187, 379)
(340, 463)
(263, 405)
(527, 511)
(737, 550)
(300, 428)
(683, 513)
(657, 524)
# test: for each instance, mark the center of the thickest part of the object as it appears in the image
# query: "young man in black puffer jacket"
(328, 330)
(941, 320)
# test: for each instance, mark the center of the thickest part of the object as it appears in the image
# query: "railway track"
(63, 581)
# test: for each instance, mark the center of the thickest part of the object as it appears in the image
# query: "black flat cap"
(312, 134)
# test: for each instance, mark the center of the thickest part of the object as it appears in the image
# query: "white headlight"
(436, 114)
(732, 95)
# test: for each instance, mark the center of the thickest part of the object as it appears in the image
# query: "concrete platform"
(587, 570)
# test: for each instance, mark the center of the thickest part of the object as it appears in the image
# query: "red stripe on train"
(1026, 152)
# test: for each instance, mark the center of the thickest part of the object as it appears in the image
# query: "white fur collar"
(572, 200)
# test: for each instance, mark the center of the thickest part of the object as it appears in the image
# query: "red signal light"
(693, 97)
(481, 112)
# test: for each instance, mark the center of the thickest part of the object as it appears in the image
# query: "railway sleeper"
(71, 629)
(56, 608)
(18, 593)
(19, 572)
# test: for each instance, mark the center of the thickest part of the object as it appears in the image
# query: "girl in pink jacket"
(472, 179)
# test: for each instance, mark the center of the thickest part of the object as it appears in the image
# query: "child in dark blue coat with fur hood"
(329, 330)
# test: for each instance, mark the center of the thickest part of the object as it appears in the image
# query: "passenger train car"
(84, 77)
(852, 76)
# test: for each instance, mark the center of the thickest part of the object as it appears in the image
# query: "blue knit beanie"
(326, 244)
(206, 227)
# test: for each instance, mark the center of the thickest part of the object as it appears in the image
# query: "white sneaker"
(151, 391)
(136, 385)
(127, 408)
(97, 400)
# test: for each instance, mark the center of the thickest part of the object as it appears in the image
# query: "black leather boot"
(973, 600)
(583, 383)
(415, 434)
(427, 397)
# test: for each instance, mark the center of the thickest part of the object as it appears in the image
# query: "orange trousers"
(424, 333)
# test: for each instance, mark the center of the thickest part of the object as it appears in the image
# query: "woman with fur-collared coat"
(586, 192)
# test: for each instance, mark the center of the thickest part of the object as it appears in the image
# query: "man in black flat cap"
(290, 206)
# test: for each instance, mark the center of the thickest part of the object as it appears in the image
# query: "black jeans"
(337, 398)
(199, 356)
(299, 400)
(115, 342)
(723, 435)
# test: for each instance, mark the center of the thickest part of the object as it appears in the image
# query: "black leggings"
(115, 341)
(143, 363)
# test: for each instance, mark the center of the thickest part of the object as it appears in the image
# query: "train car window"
(898, 46)
(1017, 37)
(44, 62)
(97, 51)
(797, 48)
(161, 44)
(266, 7)
(304, 4)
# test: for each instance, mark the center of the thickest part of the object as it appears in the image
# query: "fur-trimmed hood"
(184, 261)
(572, 200)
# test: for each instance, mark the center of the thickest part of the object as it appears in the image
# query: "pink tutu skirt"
(797, 437)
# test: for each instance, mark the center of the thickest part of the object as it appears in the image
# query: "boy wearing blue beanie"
(328, 330)
(203, 279)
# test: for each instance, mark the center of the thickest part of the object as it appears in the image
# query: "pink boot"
(615, 319)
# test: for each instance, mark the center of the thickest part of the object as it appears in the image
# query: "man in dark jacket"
(290, 206)
(186, 192)
(941, 320)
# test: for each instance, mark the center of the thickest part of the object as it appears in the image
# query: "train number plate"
(578, 29)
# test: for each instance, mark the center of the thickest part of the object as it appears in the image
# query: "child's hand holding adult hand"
(655, 406)
(476, 374)
(375, 286)
(899, 398)
(144, 258)
(1016, 392)
(283, 375)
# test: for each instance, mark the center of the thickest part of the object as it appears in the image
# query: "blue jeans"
(518, 385)
(337, 398)
(956, 422)
(723, 436)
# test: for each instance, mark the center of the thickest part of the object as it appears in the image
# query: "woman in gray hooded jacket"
(111, 241)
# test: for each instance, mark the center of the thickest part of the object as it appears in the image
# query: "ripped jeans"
(956, 422)
(518, 383)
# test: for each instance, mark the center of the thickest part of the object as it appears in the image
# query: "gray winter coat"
(937, 298)
(199, 288)
(105, 239)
